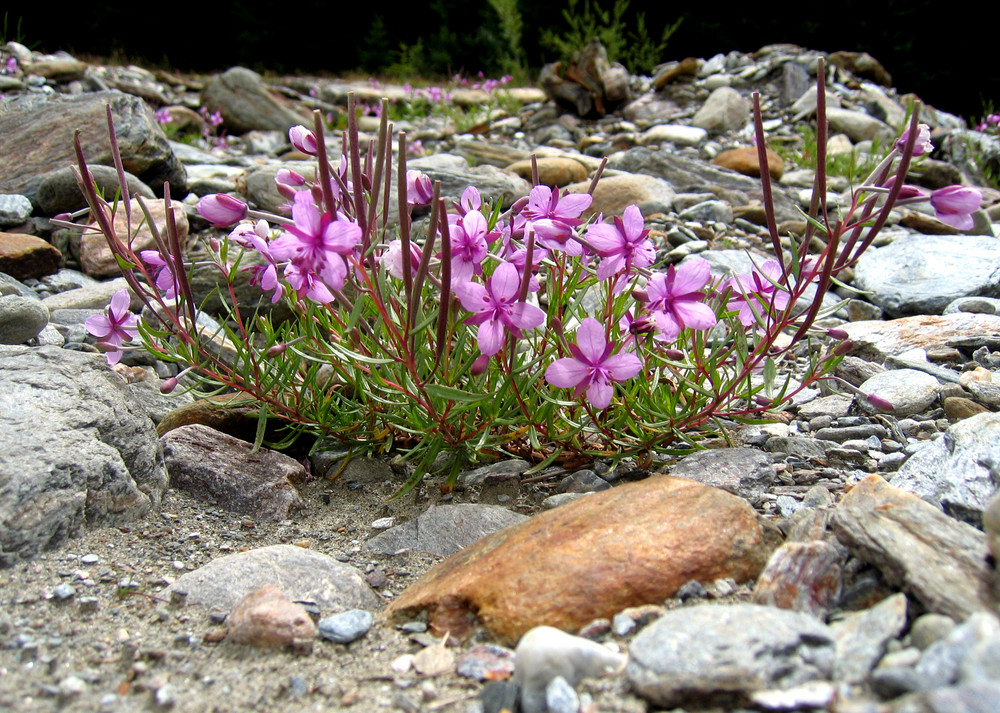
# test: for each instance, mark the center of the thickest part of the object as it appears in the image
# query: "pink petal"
(572, 205)
(505, 282)
(590, 340)
(603, 237)
(526, 316)
(99, 325)
(599, 394)
(472, 295)
(633, 222)
(622, 366)
(119, 304)
(490, 336)
(610, 266)
(566, 372)
(691, 276)
(695, 315)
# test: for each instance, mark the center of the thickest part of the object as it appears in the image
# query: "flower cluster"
(534, 329)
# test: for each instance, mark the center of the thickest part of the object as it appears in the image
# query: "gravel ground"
(115, 644)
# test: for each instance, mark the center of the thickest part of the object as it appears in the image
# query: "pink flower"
(419, 188)
(468, 246)
(165, 280)
(496, 308)
(288, 183)
(675, 300)
(303, 139)
(751, 292)
(623, 245)
(922, 145)
(117, 325)
(554, 219)
(592, 368)
(954, 205)
(392, 258)
(316, 246)
(256, 238)
(222, 210)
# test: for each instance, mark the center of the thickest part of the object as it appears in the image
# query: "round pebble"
(21, 318)
(63, 591)
(346, 627)
(561, 697)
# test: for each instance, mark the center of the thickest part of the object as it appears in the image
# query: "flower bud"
(168, 385)
(844, 348)
(837, 334)
(222, 210)
(675, 354)
(276, 350)
(879, 403)
(303, 139)
(213, 243)
(480, 364)
(922, 145)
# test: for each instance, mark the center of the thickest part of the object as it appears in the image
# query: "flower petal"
(691, 276)
(590, 340)
(566, 373)
(695, 315)
(622, 366)
(505, 282)
(490, 335)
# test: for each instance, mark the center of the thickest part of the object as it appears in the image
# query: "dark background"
(944, 54)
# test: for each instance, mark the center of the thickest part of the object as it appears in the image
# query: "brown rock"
(25, 256)
(235, 414)
(958, 408)
(801, 576)
(634, 544)
(745, 160)
(552, 171)
(863, 65)
(267, 618)
(926, 224)
(687, 67)
(96, 258)
(616, 193)
(214, 466)
(938, 560)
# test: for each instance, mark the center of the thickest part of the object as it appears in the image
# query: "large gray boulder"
(76, 448)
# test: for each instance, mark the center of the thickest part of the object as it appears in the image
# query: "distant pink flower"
(115, 326)
(922, 145)
(623, 245)
(954, 205)
(675, 299)
(222, 210)
(554, 219)
(303, 139)
(592, 368)
(392, 258)
(419, 188)
(751, 290)
(496, 308)
(162, 115)
(288, 183)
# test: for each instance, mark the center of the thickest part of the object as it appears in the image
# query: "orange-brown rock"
(26, 256)
(687, 67)
(745, 160)
(801, 576)
(634, 544)
(266, 617)
(552, 170)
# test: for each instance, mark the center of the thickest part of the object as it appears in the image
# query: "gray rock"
(745, 472)
(907, 390)
(215, 466)
(929, 628)
(858, 126)
(261, 189)
(798, 446)
(687, 174)
(21, 318)
(561, 697)
(978, 697)
(583, 481)
(875, 340)
(58, 191)
(445, 529)
(35, 138)
(304, 575)
(923, 274)
(545, 653)
(724, 110)
(709, 212)
(247, 103)
(861, 637)
(974, 305)
(944, 661)
(14, 210)
(959, 472)
(479, 475)
(699, 652)
(676, 134)
(76, 448)
(93, 295)
(937, 559)
(347, 626)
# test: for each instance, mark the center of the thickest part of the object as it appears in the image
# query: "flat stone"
(21, 318)
(907, 391)
(214, 466)
(745, 160)
(347, 626)
(875, 340)
(861, 637)
(696, 653)
(267, 618)
(59, 191)
(445, 529)
(247, 103)
(745, 472)
(937, 559)
(96, 258)
(552, 171)
(616, 193)
(304, 575)
(637, 543)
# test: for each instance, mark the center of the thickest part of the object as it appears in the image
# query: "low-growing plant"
(526, 330)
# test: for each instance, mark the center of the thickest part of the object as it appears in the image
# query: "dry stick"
(819, 184)
(442, 325)
(404, 227)
(355, 160)
(597, 176)
(122, 181)
(323, 163)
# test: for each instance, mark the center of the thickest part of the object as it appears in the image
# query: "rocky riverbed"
(838, 559)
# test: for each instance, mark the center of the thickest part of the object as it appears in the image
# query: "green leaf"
(452, 394)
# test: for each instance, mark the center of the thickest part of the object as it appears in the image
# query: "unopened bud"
(879, 403)
(837, 334)
(519, 205)
(168, 385)
(276, 350)
(222, 210)
(213, 243)
(556, 325)
(844, 348)
(763, 401)
(480, 364)
(675, 354)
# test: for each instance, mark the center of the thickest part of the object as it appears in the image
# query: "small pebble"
(63, 592)
(560, 697)
(346, 627)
